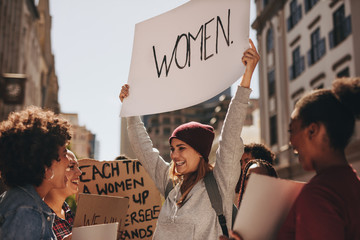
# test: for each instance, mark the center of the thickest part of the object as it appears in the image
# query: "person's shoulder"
(15, 195)
(17, 198)
(315, 194)
(21, 221)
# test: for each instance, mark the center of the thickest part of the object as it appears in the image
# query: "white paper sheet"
(170, 70)
(265, 205)
(96, 232)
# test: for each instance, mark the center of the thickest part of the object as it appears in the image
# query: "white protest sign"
(266, 203)
(96, 232)
(187, 55)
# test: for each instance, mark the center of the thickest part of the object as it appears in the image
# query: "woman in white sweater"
(187, 212)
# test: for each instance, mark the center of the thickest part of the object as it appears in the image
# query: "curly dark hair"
(29, 142)
(260, 151)
(257, 151)
(337, 109)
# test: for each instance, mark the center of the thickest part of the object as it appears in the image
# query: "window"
(271, 83)
(154, 122)
(298, 64)
(166, 120)
(317, 49)
(295, 14)
(269, 40)
(178, 120)
(166, 131)
(309, 4)
(342, 27)
(343, 73)
(265, 2)
(273, 130)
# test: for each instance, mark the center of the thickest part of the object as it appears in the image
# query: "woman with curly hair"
(33, 161)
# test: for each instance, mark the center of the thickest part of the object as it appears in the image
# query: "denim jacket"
(24, 215)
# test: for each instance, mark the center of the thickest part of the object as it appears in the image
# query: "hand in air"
(124, 92)
(250, 57)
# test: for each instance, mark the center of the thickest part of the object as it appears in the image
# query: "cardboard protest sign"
(94, 209)
(96, 232)
(187, 55)
(266, 203)
(125, 178)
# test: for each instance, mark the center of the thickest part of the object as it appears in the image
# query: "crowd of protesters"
(39, 172)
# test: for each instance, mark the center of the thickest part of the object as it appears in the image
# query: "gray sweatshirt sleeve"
(230, 150)
(149, 157)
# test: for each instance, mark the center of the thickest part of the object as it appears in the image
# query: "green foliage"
(72, 203)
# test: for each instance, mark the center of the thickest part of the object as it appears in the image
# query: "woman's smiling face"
(73, 174)
(185, 158)
(58, 169)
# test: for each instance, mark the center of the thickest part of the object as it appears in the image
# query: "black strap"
(234, 213)
(215, 199)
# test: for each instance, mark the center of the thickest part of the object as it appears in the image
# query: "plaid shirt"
(63, 227)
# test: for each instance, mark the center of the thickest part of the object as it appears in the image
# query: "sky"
(92, 44)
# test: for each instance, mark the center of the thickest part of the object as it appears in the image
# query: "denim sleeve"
(23, 223)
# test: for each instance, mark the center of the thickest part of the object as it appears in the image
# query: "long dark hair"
(260, 163)
(257, 151)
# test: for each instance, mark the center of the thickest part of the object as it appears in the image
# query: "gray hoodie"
(196, 219)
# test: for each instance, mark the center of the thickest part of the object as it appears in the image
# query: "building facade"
(27, 66)
(27, 69)
(251, 129)
(83, 142)
(305, 45)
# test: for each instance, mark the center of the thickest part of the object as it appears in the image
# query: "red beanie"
(198, 136)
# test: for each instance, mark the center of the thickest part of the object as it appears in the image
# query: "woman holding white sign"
(187, 212)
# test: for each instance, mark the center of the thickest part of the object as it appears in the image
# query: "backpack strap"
(215, 199)
(234, 213)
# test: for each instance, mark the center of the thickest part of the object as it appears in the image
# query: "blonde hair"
(191, 179)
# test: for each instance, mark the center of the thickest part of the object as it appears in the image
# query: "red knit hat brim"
(199, 136)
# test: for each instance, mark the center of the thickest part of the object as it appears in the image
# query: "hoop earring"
(52, 173)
